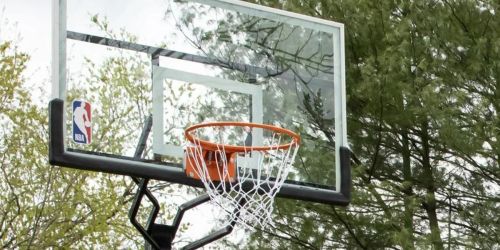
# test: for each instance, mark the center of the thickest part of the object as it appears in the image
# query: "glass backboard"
(189, 62)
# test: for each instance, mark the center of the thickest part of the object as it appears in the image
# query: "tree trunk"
(407, 192)
(429, 202)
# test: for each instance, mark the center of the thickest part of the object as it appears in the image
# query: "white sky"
(27, 23)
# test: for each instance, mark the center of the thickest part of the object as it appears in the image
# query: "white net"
(242, 183)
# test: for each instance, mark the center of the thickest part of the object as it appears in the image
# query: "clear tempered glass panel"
(276, 46)
(187, 104)
(309, 111)
(285, 104)
(293, 61)
(141, 20)
(290, 59)
(117, 84)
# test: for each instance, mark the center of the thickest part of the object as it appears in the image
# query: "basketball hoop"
(241, 165)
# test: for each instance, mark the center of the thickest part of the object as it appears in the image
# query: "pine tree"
(422, 83)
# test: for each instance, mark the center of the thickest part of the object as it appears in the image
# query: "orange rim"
(230, 148)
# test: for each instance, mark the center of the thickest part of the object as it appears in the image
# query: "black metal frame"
(160, 236)
(171, 172)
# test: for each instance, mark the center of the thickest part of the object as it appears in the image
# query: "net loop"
(242, 166)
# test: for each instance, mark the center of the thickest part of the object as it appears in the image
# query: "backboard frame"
(60, 155)
(162, 73)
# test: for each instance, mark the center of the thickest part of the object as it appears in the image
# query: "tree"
(423, 119)
(423, 104)
(45, 206)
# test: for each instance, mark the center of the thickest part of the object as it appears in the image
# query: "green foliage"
(45, 206)
(422, 79)
(423, 106)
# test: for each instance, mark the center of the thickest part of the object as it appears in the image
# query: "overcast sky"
(27, 23)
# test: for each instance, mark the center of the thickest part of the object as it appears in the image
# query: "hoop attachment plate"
(214, 164)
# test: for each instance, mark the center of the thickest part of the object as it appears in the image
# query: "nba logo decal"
(82, 122)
